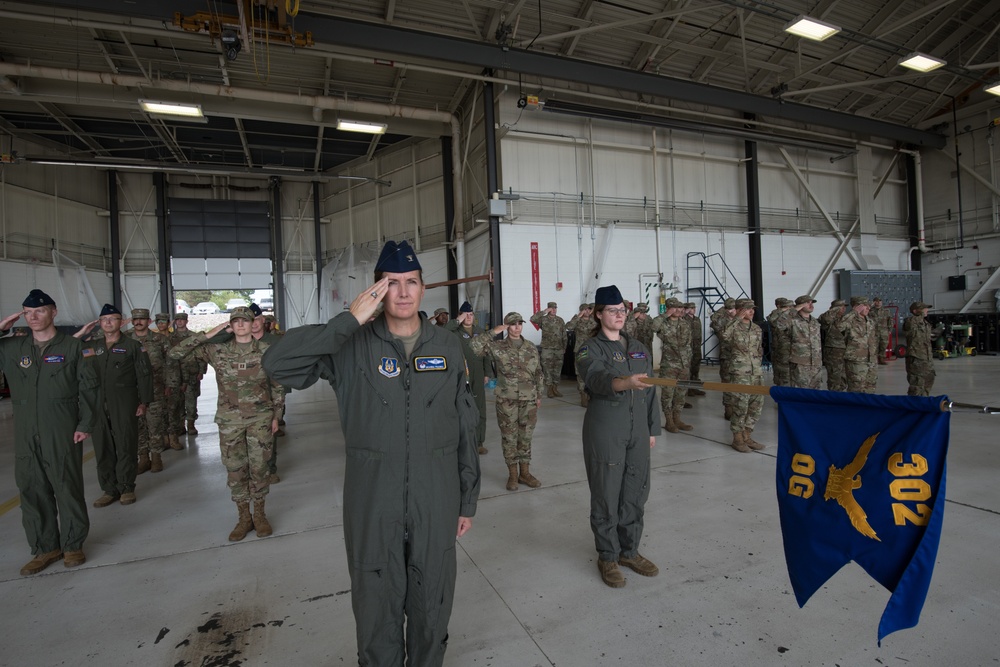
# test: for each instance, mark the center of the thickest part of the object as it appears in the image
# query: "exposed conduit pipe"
(238, 94)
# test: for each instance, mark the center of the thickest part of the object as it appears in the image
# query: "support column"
(489, 125)
(318, 226)
(753, 224)
(162, 242)
(912, 206)
(449, 219)
(866, 209)
(277, 251)
(114, 228)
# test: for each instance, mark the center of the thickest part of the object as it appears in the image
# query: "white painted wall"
(18, 278)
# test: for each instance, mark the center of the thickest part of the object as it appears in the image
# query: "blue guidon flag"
(862, 477)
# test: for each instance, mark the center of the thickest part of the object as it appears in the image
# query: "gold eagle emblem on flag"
(840, 486)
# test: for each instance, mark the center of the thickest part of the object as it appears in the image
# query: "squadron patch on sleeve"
(583, 353)
(25, 362)
(637, 355)
(422, 364)
(389, 367)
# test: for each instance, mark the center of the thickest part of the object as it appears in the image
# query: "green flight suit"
(412, 471)
(616, 432)
(54, 394)
(126, 378)
(479, 370)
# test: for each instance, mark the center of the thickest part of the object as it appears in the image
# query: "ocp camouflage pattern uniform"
(553, 346)
(153, 431)
(805, 351)
(675, 362)
(919, 336)
(184, 404)
(519, 386)
(746, 351)
(860, 352)
(644, 330)
(248, 402)
(881, 318)
(718, 321)
(779, 344)
(583, 329)
(833, 346)
(479, 370)
(696, 337)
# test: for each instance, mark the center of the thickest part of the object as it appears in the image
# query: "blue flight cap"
(109, 310)
(255, 309)
(608, 296)
(397, 258)
(466, 307)
(36, 299)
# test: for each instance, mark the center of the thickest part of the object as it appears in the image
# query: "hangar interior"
(664, 146)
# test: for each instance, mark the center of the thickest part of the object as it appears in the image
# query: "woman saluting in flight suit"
(619, 429)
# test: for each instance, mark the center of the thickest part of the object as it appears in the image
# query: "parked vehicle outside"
(236, 303)
(181, 306)
(267, 304)
(205, 308)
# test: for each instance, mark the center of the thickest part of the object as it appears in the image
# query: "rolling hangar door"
(219, 244)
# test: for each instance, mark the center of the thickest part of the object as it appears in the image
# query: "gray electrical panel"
(897, 288)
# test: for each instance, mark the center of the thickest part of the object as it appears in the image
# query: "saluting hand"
(8, 321)
(86, 329)
(366, 304)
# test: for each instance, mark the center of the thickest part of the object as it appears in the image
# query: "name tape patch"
(422, 364)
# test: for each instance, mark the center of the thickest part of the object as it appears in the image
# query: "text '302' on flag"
(862, 477)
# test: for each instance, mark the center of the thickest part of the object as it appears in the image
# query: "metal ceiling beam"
(243, 141)
(450, 49)
(73, 128)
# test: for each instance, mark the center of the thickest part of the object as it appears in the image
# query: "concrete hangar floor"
(163, 586)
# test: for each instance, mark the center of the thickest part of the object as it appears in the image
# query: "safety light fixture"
(921, 62)
(171, 109)
(993, 88)
(810, 28)
(361, 126)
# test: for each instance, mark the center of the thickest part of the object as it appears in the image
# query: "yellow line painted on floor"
(16, 500)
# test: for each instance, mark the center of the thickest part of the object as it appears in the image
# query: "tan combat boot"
(696, 392)
(610, 574)
(260, 522)
(640, 564)
(482, 450)
(525, 476)
(750, 442)
(175, 442)
(555, 390)
(512, 477)
(549, 392)
(156, 464)
(143, 463)
(739, 443)
(191, 429)
(584, 399)
(40, 562)
(680, 424)
(245, 523)
(670, 424)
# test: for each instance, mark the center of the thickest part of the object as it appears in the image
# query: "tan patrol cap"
(513, 318)
(241, 313)
(837, 302)
(674, 303)
(440, 311)
(181, 316)
(743, 304)
(642, 307)
(918, 305)
(162, 317)
(584, 306)
(140, 313)
(805, 298)
(690, 304)
(860, 301)
(729, 304)
(552, 304)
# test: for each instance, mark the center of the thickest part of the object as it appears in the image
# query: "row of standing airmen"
(134, 392)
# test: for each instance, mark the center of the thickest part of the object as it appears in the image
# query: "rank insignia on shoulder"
(119, 350)
(88, 352)
(617, 356)
(430, 364)
(389, 367)
(25, 362)
(53, 358)
(637, 355)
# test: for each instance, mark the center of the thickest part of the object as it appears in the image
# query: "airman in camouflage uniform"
(833, 345)
(690, 314)
(718, 322)
(675, 362)
(643, 325)
(779, 341)
(479, 368)
(518, 395)
(860, 351)
(881, 318)
(184, 403)
(805, 350)
(247, 414)
(743, 338)
(153, 434)
(919, 350)
(582, 325)
(553, 345)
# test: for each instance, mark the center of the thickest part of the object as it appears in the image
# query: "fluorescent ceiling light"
(360, 126)
(993, 88)
(803, 26)
(921, 62)
(171, 109)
